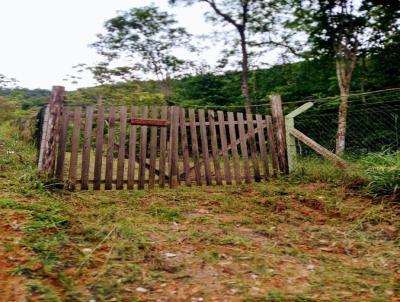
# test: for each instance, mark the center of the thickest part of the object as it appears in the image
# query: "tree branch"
(280, 44)
(225, 16)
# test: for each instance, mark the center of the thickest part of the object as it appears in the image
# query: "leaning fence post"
(278, 121)
(47, 151)
(290, 139)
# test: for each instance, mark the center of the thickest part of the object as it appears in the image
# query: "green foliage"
(124, 93)
(7, 109)
(344, 28)
(383, 172)
(18, 164)
(26, 98)
(149, 38)
(309, 79)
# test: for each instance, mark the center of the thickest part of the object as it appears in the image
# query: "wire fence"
(373, 123)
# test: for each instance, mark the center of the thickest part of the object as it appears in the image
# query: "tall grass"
(317, 169)
(382, 170)
(377, 173)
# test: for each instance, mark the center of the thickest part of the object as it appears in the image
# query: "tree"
(344, 29)
(252, 20)
(6, 82)
(148, 39)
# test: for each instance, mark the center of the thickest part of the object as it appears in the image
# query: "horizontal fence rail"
(137, 147)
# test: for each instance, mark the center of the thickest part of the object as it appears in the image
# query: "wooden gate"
(135, 147)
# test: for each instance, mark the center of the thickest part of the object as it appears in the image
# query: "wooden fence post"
(290, 139)
(278, 121)
(54, 109)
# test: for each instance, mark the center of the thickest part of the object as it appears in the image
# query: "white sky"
(42, 39)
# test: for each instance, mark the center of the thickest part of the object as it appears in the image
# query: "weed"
(165, 214)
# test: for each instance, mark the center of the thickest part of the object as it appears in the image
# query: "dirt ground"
(274, 241)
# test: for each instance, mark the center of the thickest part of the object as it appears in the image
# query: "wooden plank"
(149, 122)
(87, 140)
(195, 147)
(272, 145)
(300, 110)
(185, 146)
(74, 149)
(318, 148)
(52, 124)
(163, 148)
(253, 146)
(121, 148)
(261, 142)
(279, 130)
(214, 147)
(62, 144)
(229, 146)
(224, 148)
(44, 138)
(243, 148)
(132, 151)
(153, 147)
(143, 150)
(233, 145)
(173, 147)
(204, 147)
(98, 160)
(110, 149)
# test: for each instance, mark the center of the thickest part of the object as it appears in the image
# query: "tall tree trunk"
(245, 73)
(344, 70)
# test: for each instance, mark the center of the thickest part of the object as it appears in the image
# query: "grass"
(383, 172)
(305, 238)
(375, 173)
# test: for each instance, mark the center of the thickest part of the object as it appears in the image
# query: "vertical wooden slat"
(214, 147)
(74, 149)
(278, 121)
(173, 147)
(253, 146)
(87, 140)
(98, 160)
(163, 147)
(51, 131)
(243, 147)
(132, 151)
(185, 146)
(44, 138)
(143, 150)
(153, 148)
(110, 149)
(224, 147)
(62, 144)
(121, 148)
(272, 146)
(235, 155)
(195, 147)
(261, 142)
(204, 146)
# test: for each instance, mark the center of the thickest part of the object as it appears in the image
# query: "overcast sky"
(42, 39)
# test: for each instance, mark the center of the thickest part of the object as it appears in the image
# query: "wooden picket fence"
(134, 147)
